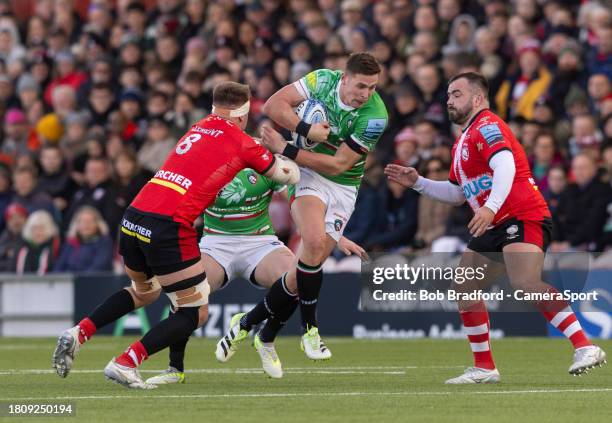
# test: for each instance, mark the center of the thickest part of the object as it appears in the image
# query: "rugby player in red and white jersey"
(489, 170)
(158, 242)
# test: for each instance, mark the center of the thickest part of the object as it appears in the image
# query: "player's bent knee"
(145, 293)
(191, 292)
(314, 244)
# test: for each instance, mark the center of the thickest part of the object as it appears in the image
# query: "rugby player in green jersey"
(330, 177)
(239, 241)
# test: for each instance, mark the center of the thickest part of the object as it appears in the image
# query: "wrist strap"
(290, 151)
(303, 128)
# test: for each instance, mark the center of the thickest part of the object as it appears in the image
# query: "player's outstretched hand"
(272, 140)
(406, 176)
(319, 132)
(481, 221)
(349, 248)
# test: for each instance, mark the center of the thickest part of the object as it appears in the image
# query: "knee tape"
(146, 287)
(192, 292)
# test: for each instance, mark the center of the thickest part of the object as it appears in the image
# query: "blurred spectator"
(518, 94)
(67, 74)
(432, 214)
(396, 222)
(600, 57)
(405, 112)
(129, 177)
(352, 20)
(599, 87)
(582, 209)
(462, 36)
(427, 136)
(15, 216)
(545, 155)
(101, 103)
(586, 138)
(364, 219)
(55, 178)
(28, 90)
(88, 246)
(157, 146)
(17, 135)
(406, 148)
(41, 244)
(433, 94)
(492, 63)
(556, 183)
(27, 193)
(606, 157)
(6, 192)
(63, 100)
(97, 192)
(569, 77)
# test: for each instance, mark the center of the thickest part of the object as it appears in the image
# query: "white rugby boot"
(126, 376)
(65, 351)
(474, 375)
(587, 358)
(313, 346)
(227, 346)
(269, 359)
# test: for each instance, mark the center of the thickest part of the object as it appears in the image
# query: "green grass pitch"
(366, 381)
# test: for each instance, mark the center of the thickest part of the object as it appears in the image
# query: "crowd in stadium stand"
(91, 104)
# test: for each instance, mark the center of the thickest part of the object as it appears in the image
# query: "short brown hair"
(230, 94)
(362, 63)
(475, 79)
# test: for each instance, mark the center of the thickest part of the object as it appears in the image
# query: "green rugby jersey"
(241, 207)
(364, 125)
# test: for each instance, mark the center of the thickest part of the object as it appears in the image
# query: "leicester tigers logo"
(338, 225)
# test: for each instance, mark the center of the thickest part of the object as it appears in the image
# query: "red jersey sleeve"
(492, 139)
(256, 156)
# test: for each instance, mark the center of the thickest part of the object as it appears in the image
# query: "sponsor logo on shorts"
(307, 188)
(512, 232)
(275, 243)
(132, 229)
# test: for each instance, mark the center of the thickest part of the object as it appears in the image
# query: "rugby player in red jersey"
(158, 241)
(489, 170)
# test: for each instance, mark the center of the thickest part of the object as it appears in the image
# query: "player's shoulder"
(322, 77)
(487, 117)
(488, 123)
(375, 108)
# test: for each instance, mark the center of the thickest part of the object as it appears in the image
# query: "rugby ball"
(310, 111)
